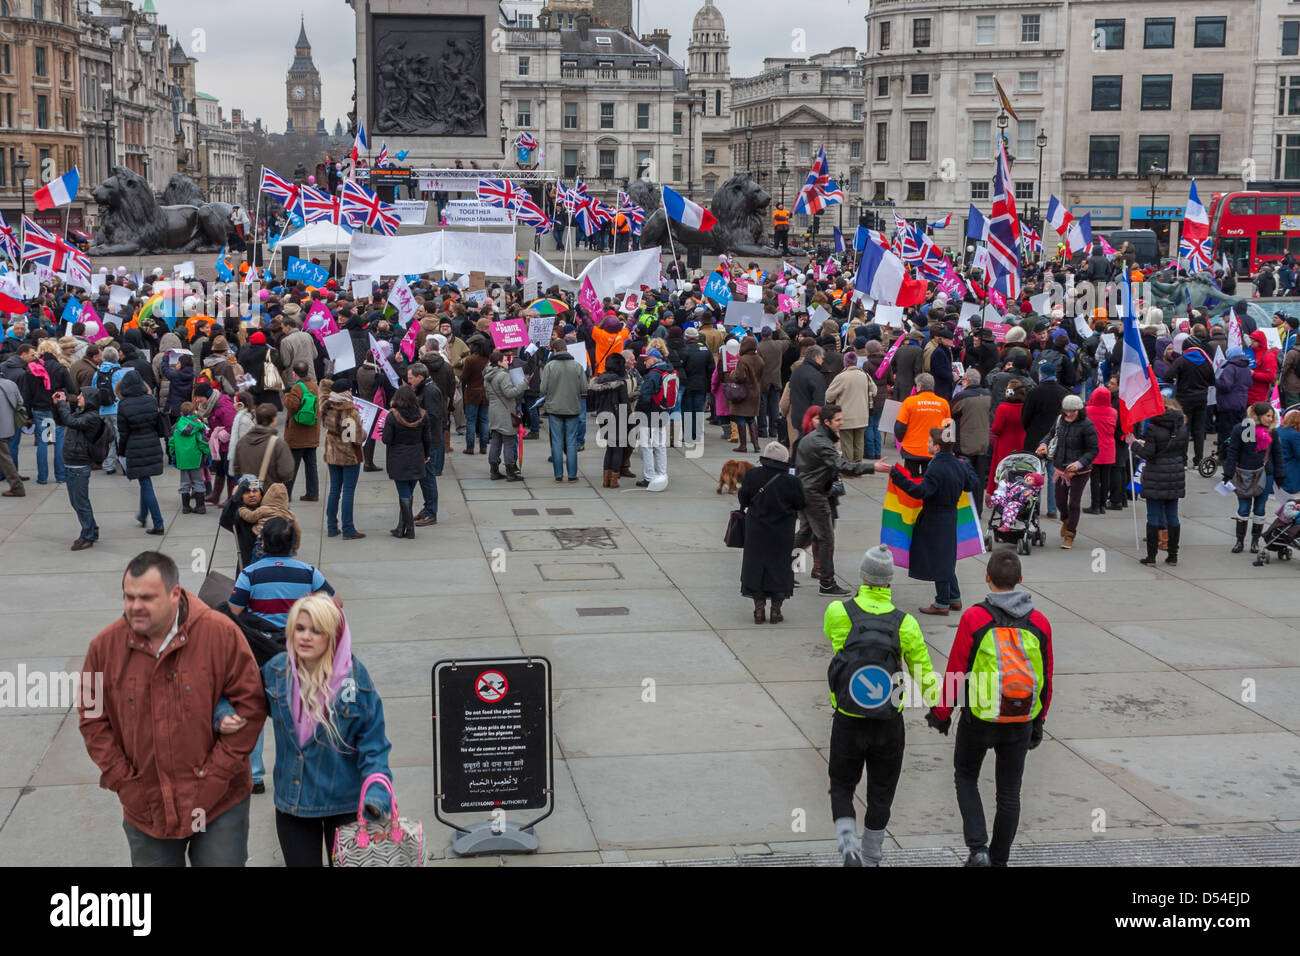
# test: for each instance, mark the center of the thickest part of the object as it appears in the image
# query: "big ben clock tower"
(302, 88)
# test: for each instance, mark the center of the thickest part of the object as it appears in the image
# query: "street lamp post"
(21, 166)
(1154, 175)
(1041, 143)
(783, 174)
(749, 141)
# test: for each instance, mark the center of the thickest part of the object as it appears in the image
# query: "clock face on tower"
(298, 92)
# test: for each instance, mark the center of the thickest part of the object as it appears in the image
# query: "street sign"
(492, 748)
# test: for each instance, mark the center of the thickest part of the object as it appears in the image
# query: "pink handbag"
(370, 844)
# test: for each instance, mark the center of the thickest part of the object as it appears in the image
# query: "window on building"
(1107, 93)
(1157, 92)
(38, 9)
(1025, 191)
(677, 167)
(981, 140)
(570, 163)
(1107, 35)
(642, 162)
(983, 83)
(606, 163)
(1288, 96)
(884, 34)
(916, 191)
(986, 29)
(921, 32)
(1211, 31)
(877, 192)
(643, 116)
(855, 182)
(607, 115)
(1103, 155)
(525, 65)
(570, 115)
(1159, 33)
(882, 142)
(524, 114)
(43, 162)
(40, 66)
(677, 123)
(42, 112)
(67, 114)
(1026, 138)
(1203, 155)
(857, 112)
(1030, 27)
(6, 60)
(920, 83)
(1290, 37)
(717, 102)
(917, 137)
(1152, 150)
(67, 66)
(710, 157)
(855, 149)
(1028, 81)
(1207, 91)
(805, 149)
(882, 85)
(524, 21)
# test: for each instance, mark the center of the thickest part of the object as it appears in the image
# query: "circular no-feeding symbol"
(491, 686)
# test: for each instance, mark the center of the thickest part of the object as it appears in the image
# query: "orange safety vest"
(622, 224)
(781, 218)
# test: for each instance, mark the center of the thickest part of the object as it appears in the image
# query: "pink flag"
(830, 267)
(889, 357)
(1276, 401)
(951, 284)
(88, 315)
(999, 330)
(320, 322)
(998, 300)
(588, 299)
(742, 287)
(785, 303)
(408, 341)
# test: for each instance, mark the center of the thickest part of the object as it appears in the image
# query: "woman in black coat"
(409, 446)
(771, 498)
(252, 359)
(1163, 446)
(180, 379)
(933, 554)
(1076, 447)
(141, 431)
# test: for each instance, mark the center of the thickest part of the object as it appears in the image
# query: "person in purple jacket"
(1231, 386)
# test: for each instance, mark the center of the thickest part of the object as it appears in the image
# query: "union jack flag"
(382, 161)
(911, 243)
(526, 141)
(1199, 255)
(1004, 231)
(501, 193)
(46, 249)
(1031, 240)
(820, 190)
(8, 240)
(564, 196)
(318, 207)
(282, 191)
(361, 207)
(933, 263)
(634, 213)
(531, 214)
(78, 270)
(590, 213)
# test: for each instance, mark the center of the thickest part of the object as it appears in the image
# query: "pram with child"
(1281, 536)
(1014, 503)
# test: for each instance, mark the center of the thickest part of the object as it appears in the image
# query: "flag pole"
(668, 225)
(1137, 542)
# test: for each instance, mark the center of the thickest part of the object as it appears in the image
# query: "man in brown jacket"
(151, 682)
(252, 446)
(83, 370)
(297, 347)
(301, 438)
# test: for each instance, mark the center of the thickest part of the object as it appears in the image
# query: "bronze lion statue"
(133, 223)
(740, 207)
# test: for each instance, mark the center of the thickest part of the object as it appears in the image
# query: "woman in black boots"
(1163, 446)
(408, 445)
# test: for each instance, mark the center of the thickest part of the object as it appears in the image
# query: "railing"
(572, 73)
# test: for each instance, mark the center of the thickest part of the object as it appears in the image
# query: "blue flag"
(224, 272)
(861, 238)
(718, 289)
(72, 311)
(299, 270)
(839, 239)
(274, 240)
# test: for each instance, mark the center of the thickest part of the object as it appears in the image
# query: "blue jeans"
(947, 593)
(582, 421)
(534, 416)
(406, 487)
(429, 485)
(149, 504)
(693, 414)
(871, 441)
(476, 423)
(42, 431)
(223, 842)
(1260, 501)
(1162, 514)
(343, 479)
(77, 481)
(564, 441)
(438, 458)
(255, 758)
(15, 443)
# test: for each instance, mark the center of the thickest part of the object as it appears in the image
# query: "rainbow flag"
(898, 521)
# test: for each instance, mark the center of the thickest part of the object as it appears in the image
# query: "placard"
(1040, 303)
(815, 320)
(413, 212)
(1271, 337)
(540, 328)
(118, 296)
(339, 347)
(477, 280)
(748, 314)
(471, 212)
(511, 334)
(999, 330)
(1081, 326)
(363, 288)
(579, 352)
(890, 315)
(969, 310)
(889, 415)
(369, 414)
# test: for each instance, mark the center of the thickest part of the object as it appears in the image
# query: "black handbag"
(734, 536)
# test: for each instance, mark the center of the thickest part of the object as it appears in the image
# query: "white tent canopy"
(319, 237)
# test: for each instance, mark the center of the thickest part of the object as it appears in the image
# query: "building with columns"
(1275, 144)
(708, 103)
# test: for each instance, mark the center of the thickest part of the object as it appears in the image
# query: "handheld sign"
(512, 334)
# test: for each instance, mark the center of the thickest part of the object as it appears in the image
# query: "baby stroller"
(1027, 473)
(1280, 538)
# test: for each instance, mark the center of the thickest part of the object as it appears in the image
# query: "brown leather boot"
(1164, 540)
(776, 617)
(613, 479)
(753, 439)
(760, 610)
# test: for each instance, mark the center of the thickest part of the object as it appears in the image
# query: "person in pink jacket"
(1104, 417)
(1265, 374)
(728, 358)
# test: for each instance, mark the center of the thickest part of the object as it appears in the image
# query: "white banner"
(490, 252)
(412, 212)
(610, 275)
(453, 182)
(471, 212)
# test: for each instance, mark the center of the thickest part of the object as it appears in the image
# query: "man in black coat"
(807, 387)
(1039, 414)
(1193, 376)
(697, 376)
(435, 406)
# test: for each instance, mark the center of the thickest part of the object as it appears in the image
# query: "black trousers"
(301, 838)
(981, 464)
(1196, 425)
(1099, 485)
(1009, 743)
(305, 459)
(858, 742)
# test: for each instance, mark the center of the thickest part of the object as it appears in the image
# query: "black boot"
(199, 508)
(512, 474)
(408, 517)
(400, 530)
(1174, 533)
(1241, 537)
(494, 472)
(1153, 545)
(186, 507)
(1256, 530)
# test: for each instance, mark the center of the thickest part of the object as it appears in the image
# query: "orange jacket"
(781, 218)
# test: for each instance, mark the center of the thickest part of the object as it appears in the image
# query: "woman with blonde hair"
(328, 721)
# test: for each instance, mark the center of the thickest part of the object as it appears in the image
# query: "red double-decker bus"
(1254, 228)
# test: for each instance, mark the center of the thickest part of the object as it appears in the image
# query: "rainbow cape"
(898, 521)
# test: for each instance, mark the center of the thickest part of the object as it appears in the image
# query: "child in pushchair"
(1013, 505)
(1281, 536)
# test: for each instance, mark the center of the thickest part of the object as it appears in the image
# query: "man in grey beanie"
(872, 641)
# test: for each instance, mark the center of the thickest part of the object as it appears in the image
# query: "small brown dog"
(733, 472)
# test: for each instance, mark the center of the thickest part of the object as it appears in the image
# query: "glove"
(1036, 735)
(939, 725)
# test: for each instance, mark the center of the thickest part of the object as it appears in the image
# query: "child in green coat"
(188, 448)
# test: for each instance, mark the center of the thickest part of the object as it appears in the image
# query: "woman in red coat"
(1104, 417)
(1265, 374)
(1008, 432)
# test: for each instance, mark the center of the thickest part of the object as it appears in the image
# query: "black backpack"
(873, 643)
(104, 442)
(104, 382)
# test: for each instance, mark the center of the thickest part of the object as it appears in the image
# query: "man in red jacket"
(1265, 373)
(1002, 658)
(164, 665)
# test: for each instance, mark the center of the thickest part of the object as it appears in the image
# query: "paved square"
(1174, 712)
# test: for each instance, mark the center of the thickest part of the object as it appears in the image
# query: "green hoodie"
(188, 443)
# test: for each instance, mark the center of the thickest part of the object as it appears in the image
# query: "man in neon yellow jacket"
(873, 641)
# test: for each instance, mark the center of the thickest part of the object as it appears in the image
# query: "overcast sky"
(249, 43)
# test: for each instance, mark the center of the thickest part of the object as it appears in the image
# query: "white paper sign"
(539, 329)
(1271, 337)
(991, 314)
(817, 318)
(1040, 303)
(339, 347)
(1081, 326)
(969, 310)
(1108, 340)
(369, 412)
(1211, 396)
(890, 315)
(754, 293)
(748, 314)
(184, 270)
(363, 288)
(579, 352)
(769, 322)
(31, 285)
(889, 415)
(1226, 488)
(517, 376)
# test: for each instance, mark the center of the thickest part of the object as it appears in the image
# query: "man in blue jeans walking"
(85, 426)
(435, 407)
(564, 383)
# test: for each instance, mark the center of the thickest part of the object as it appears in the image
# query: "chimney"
(583, 22)
(659, 38)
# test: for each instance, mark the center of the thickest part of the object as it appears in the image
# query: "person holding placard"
(503, 395)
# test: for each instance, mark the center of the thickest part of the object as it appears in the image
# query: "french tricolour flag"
(1078, 236)
(1139, 392)
(1196, 221)
(686, 212)
(1058, 217)
(60, 192)
(882, 276)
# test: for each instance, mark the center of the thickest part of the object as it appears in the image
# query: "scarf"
(38, 369)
